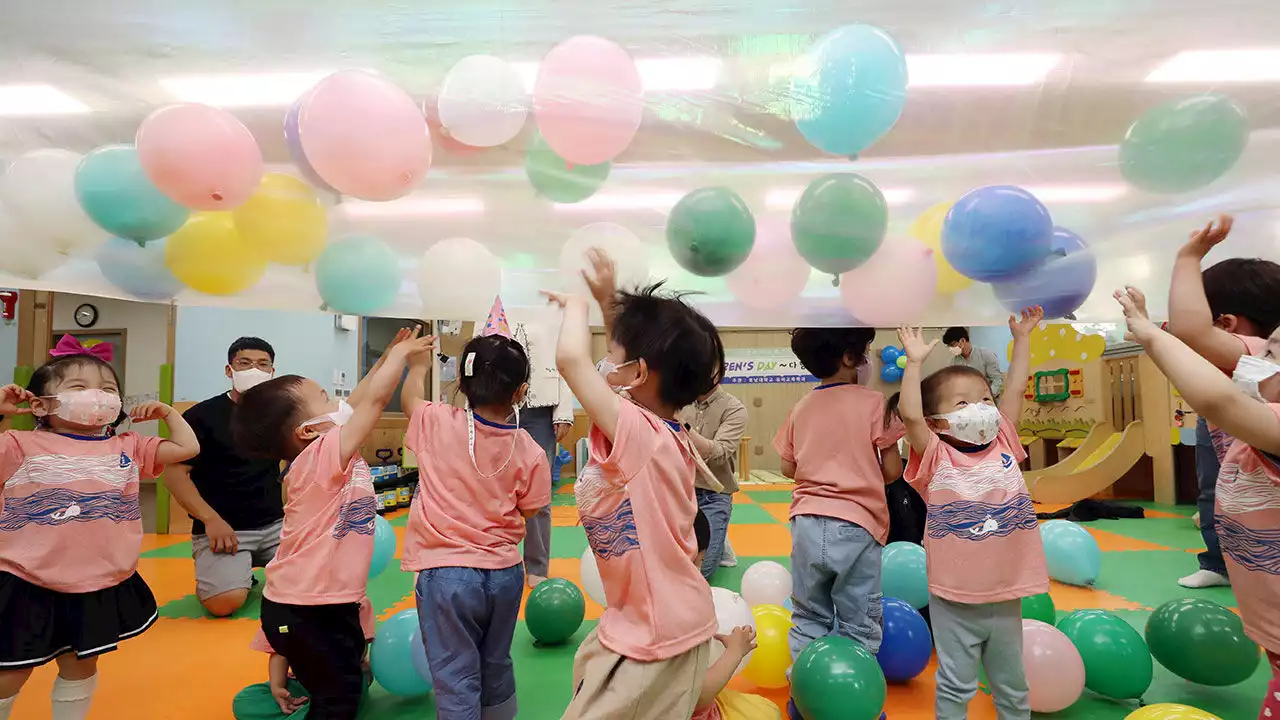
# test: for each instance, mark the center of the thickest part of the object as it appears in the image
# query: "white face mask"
(244, 380)
(954, 350)
(975, 424)
(1250, 372)
(606, 367)
(338, 417)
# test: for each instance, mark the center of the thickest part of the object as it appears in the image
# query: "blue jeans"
(1207, 467)
(537, 528)
(718, 507)
(467, 617)
(835, 582)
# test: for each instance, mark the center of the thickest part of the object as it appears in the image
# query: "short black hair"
(493, 368)
(1247, 287)
(955, 335)
(821, 350)
(677, 342)
(57, 369)
(702, 531)
(263, 421)
(250, 343)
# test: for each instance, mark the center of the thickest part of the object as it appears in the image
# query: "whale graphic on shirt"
(988, 526)
(73, 510)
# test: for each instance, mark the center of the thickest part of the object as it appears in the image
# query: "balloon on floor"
(732, 610)
(906, 645)
(1073, 556)
(835, 678)
(1201, 641)
(554, 611)
(903, 573)
(1039, 607)
(391, 656)
(1117, 663)
(771, 659)
(766, 583)
(1170, 711)
(1055, 672)
(590, 574)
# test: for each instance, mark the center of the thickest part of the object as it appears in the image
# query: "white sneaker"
(1196, 519)
(1204, 579)
(728, 558)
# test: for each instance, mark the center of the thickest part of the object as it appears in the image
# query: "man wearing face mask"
(235, 503)
(981, 359)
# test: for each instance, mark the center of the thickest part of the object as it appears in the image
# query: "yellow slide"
(1101, 460)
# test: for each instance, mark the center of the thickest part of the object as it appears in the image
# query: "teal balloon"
(1073, 556)
(554, 611)
(384, 546)
(1201, 641)
(835, 678)
(357, 275)
(903, 573)
(392, 655)
(138, 270)
(711, 231)
(1184, 144)
(1117, 662)
(839, 222)
(115, 193)
(555, 179)
(850, 89)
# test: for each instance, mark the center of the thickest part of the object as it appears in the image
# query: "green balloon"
(839, 222)
(554, 611)
(1201, 641)
(1184, 144)
(835, 678)
(1039, 607)
(710, 232)
(1117, 662)
(556, 179)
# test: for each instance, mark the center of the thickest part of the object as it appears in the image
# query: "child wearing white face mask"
(71, 524)
(983, 542)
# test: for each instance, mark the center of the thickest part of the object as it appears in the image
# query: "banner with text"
(764, 365)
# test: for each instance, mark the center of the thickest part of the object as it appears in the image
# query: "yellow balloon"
(208, 255)
(928, 229)
(1170, 711)
(770, 660)
(284, 220)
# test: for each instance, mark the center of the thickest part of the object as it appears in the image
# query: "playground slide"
(1102, 461)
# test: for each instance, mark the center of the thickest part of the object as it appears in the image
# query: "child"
(839, 448)
(71, 525)
(983, 541)
(1223, 313)
(480, 476)
(648, 656)
(1248, 500)
(310, 610)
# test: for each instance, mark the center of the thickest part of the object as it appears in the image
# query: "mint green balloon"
(358, 275)
(711, 231)
(1184, 144)
(116, 194)
(555, 179)
(839, 222)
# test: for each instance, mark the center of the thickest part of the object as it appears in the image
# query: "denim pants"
(835, 582)
(1207, 467)
(468, 616)
(717, 507)
(537, 528)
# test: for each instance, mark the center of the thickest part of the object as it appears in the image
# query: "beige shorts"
(608, 686)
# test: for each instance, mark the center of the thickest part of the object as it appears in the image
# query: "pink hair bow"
(68, 345)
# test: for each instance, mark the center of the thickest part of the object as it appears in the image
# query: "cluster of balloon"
(446, 261)
(773, 274)
(588, 100)
(835, 678)
(903, 574)
(1117, 663)
(849, 89)
(906, 645)
(201, 157)
(384, 547)
(894, 360)
(555, 179)
(1055, 672)
(398, 657)
(839, 222)
(711, 231)
(1201, 641)
(554, 611)
(894, 286)
(1072, 554)
(482, 101)
(1184, 144)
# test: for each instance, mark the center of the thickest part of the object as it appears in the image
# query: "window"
(378, 333)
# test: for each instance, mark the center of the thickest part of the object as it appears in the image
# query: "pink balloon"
(894, 286)
(773, 274)
(1055, 672)
(588, 99)
(200, 156)
(364, 136)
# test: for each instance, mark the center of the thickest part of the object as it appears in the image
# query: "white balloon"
(591, 583)
(39, 188)
(732, 611)
(630, 256)
(22, 253)
(483, 101)
(458, 280)
(766, 583)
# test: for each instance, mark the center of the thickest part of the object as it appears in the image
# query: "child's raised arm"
(1201, 384)
(379, 385)
(910, 402)
(182, 443)
(1020, 366)
(362, 387)
(414, 393)
(1190, 319)
(573, 361)
(740, 641)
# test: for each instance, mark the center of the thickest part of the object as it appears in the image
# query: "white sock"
(71, 698)
(6, 707)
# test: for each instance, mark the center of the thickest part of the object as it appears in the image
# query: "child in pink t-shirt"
(310, 606)
(648, 656)
(981, 534)
(480, 476)
(71, 525)
(1247, 407)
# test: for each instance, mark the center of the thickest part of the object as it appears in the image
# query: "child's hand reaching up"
(11, 396)
(1134, 304)
(912, 340)
(1203, 239)
(603, 278)
(1022, 326)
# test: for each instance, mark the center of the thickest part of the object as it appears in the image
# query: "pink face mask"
(87, 407)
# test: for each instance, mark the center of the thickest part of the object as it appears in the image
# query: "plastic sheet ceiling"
(1054, 132)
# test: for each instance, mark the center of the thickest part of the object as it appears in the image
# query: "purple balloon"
(1059, 284)
(293, 139)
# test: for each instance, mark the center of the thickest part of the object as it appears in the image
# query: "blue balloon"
(890, 354)
(1071, 552)
(137, 269)
(906, 645)
(995, 233)
(397, 642)
(357, 275)
(903, 573)
(293, 140)
(115, 193)
(891, 373)
(384, 546)
(1060, 284)
(851, 90)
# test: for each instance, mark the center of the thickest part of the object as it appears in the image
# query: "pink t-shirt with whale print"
(981, 535)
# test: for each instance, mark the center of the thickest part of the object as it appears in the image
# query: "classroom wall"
(146, 327)
(996, 339)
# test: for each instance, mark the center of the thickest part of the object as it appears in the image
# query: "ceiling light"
(979, 69)
(38, 99)
(414, 206)
(1081, 193)
(785, 198)
(660, 201)
(669, 74)
(1202, 66)
(242, 89)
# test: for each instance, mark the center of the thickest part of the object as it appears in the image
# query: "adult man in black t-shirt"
(235, 503)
